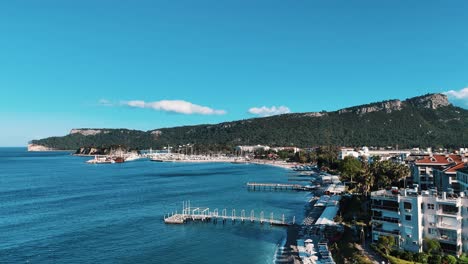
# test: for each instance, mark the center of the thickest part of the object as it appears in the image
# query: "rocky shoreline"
(41, 148)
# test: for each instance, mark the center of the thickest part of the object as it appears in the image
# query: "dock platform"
(277, 186)
(206, 215)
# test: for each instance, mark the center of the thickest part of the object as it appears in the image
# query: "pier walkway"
(206, 215)
(277, 186)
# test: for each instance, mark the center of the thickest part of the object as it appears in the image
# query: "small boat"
(132, 157)
(119, 160)
(100, 160)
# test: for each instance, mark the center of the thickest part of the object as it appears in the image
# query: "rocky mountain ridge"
(428, 120)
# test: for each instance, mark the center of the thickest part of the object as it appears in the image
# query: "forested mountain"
(428, 120)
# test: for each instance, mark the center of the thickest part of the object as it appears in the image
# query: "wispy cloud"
(105, 102)
(462, 94)
(458, 97)
(175, 106)
(269, 111)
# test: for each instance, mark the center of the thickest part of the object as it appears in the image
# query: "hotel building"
(410, 217)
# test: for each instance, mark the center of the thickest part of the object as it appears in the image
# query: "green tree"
(448, 259)
(368, 178)
(421, 257)
(463, 259)
(435, 259)
(285, 154)
(350, 168)
(386, 243)
(431, 246)
(327, 156)
(388, 173)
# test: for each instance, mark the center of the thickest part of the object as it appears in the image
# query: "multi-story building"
(462, 178)
(445, 180)
(422, 170)
(410, 217)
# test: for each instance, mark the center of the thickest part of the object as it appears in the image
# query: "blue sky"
(67, 64)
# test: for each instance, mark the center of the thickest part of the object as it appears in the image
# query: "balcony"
(448, 239)
(447, 226)
(384, 207)
(427, 180)
(448, 213)
(381, 230)
(386, 219)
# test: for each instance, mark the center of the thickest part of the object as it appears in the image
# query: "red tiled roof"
(440, 160)
(453, 169)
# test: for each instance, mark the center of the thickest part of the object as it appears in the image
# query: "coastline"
(279, 164)
(287, 252)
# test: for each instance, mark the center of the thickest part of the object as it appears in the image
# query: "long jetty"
(276, 186)
(204, 214)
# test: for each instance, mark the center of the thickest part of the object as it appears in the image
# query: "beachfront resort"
(424, 204)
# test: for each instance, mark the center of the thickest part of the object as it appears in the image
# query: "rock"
(87, 132)
(113, 151)
(431, 101)
(387, 106)
(36, 147)
(315, 114)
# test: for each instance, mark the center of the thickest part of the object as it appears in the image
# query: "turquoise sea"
(54, 208)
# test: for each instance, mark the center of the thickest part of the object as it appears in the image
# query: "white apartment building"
(410, 217)
(250, 149)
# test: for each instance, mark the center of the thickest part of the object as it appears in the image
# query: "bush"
(406, 255)
(435, 259)
(448, 259)
(421, 257)
(396, 253)
(431, 246)
(463, 259)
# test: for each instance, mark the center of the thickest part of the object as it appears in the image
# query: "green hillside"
(421, 121)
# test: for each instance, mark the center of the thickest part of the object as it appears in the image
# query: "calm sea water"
(54, 208)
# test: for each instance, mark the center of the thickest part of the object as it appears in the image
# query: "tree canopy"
(411, 126)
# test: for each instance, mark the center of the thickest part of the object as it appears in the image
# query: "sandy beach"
(280, 164)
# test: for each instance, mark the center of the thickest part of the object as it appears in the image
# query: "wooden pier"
(276, 186)
(206, 215)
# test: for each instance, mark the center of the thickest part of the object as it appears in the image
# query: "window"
(408, 217)
(430, 206)
(432, 231)
(407, 205)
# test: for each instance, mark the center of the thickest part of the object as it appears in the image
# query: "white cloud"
(269, 111)
(461, 95)
(175, 106)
